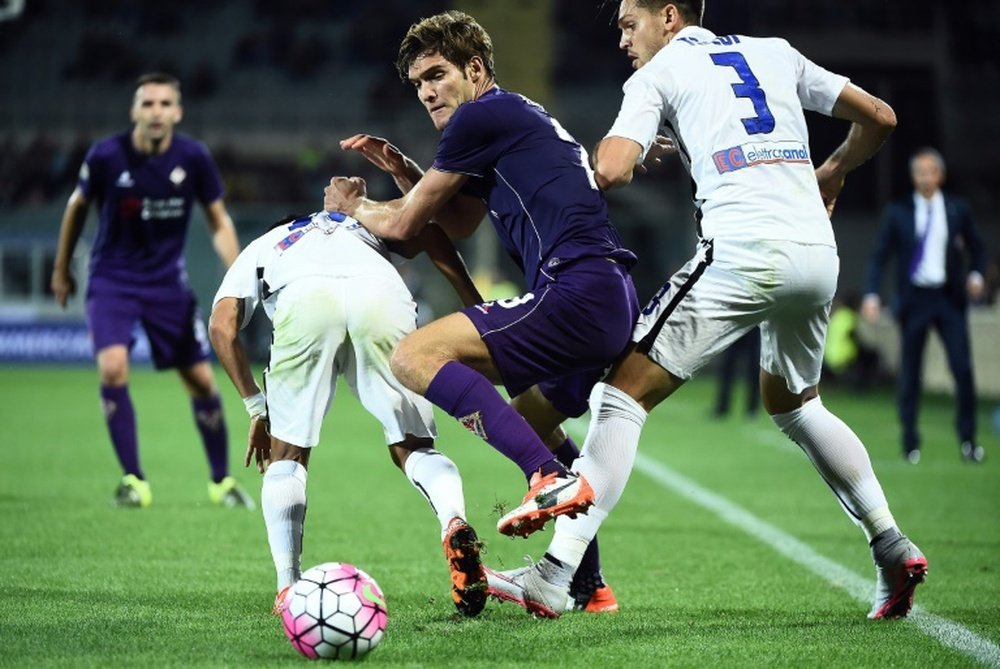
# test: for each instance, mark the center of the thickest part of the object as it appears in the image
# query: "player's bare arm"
(401, 218)
(460, 215)
(220, 225)
(433, 241)
(872, 121)
(63, 284)
(223, 331)
(615, 160)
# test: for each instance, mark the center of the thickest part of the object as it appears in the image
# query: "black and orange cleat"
(468, 577)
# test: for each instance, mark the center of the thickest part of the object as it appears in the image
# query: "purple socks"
(212, 426)
(471, 399)
(120, 417)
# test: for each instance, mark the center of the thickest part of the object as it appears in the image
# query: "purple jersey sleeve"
(92, 173)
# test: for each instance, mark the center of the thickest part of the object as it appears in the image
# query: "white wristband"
(256, 405)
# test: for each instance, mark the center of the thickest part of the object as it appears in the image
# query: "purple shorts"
(172, 322)
(564, 334)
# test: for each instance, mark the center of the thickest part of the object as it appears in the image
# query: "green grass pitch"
(186, 584)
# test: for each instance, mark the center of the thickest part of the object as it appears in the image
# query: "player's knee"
(405, 362)
(112, 370)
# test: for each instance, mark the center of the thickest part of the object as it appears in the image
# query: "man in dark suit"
(932, 236)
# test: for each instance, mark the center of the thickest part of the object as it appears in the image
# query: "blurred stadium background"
(271, 86)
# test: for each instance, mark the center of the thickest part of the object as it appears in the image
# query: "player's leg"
(792, 341)
(110, 319)
(300, 381)
(448, 362)
(178, 340)
(380, 313)
(119, 414)
(588, 590)
(842, 460)
(673, 341)
(436, 477)
(283, 502)
(206, 406)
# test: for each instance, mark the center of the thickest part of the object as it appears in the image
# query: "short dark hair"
(455, 35)
(692, 10)
(159, 78)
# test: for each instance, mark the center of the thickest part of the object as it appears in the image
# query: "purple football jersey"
(145, 207)
(535, 181)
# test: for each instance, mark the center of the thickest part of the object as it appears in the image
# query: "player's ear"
(476, 69)
(669, 17)
(179, 114)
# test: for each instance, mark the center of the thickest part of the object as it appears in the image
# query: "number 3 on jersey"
(748, 87)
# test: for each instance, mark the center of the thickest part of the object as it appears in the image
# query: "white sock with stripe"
(439, 481)
(842, 461)
(606, 461)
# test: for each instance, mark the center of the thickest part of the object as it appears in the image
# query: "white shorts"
(325, 327)
(726, 289)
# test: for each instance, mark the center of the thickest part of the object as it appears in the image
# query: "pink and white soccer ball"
(335, 611)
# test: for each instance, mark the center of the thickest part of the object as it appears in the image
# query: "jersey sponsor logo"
(125, 180)
(753, 154)
(506, 303)
(296, 235)
(177, 176)
(474, 424)
(161, 209)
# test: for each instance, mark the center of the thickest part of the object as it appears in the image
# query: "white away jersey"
(734, 106)
(321, 244)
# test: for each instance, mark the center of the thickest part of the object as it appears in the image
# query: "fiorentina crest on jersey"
(474, 424)
(177, 176)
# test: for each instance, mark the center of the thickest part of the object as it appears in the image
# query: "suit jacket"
(897, 237)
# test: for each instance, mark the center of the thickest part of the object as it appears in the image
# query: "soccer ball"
(335, 611)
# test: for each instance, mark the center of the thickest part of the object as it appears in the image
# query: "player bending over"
(339, 308)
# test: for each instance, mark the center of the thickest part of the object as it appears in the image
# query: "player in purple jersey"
(145, 182)
(503, 155)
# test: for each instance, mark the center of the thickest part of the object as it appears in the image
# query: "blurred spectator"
(846, 358)
(932, 236)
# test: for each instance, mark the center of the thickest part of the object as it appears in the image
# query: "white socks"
(438, 480)
(606, 461)
(283, 501)
(842, 461)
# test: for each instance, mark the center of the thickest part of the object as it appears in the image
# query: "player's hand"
(662, 146)
(830, 185)
(258, 444)
(343, 194)
(871, 308)
(975, 286)
(63, 285)
(379, 152)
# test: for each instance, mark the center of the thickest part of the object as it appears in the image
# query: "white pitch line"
(947, 632)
